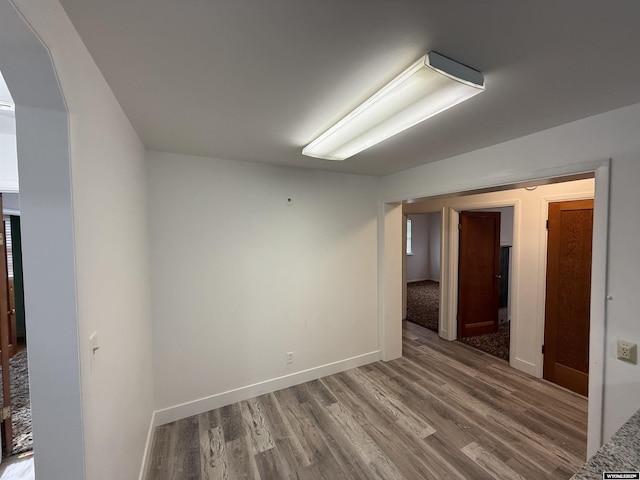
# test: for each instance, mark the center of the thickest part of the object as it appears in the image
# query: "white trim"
(497, 183)
(450, 294)
(443, 327)
(57, 403)
(598, 312)
(522, 365)
(229, 397)
(389, 297)
(382, 276)
(147, 448)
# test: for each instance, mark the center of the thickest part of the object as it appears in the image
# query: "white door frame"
(449, 295)
(390, 272)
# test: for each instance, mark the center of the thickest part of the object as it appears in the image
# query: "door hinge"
(459, 226)
(547, 224)
(543, 349)
(6, 413)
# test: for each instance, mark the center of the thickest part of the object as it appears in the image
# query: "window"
(409, 251)
(7, 237)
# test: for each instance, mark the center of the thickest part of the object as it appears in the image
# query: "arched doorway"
(48, 247)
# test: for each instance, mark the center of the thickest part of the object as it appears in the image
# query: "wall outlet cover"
(627, 351)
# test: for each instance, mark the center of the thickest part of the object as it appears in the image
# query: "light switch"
(93, 349)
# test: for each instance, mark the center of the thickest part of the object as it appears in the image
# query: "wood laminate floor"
(442, 411)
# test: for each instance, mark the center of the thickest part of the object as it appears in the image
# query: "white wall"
(11, 203)
(239, 278)
(424, 263)
(8, 163)
(86, 268)
(570, 148)
(418, 260)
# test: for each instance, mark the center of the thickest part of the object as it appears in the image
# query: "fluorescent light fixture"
(429, 86)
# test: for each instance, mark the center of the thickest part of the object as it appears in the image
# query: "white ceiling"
(257, 80)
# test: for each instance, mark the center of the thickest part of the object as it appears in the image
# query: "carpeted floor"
(21, 404)
(423, 303)
(496, 344)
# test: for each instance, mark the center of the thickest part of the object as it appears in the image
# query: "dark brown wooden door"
(478, 273)
(568, 294)
(5, 347)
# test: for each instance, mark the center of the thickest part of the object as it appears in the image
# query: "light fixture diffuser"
(429, 86)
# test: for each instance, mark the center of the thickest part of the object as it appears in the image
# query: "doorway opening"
(526, 294)
(422, 260)
(42, 139)
(14, 370)
(17, 437)
(484, 280)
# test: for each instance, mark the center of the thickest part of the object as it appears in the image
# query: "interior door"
(478, 273)
(5, 353)
(568, 295)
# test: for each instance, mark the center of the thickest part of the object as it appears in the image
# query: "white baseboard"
(147, 448)
(524, 366)
(423, 280)
(195, 407)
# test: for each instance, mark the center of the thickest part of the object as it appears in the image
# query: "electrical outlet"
(627, 351)
(289, 358)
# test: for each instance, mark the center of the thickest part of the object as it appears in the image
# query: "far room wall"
(240, 278)
(424, 261)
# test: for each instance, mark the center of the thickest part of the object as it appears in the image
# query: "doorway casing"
(48, 247)
(390, 260)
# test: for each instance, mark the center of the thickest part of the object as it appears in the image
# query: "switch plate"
(93, 350)
(289, 358)
(627, 351)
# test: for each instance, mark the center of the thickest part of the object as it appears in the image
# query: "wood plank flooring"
(442, 411)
